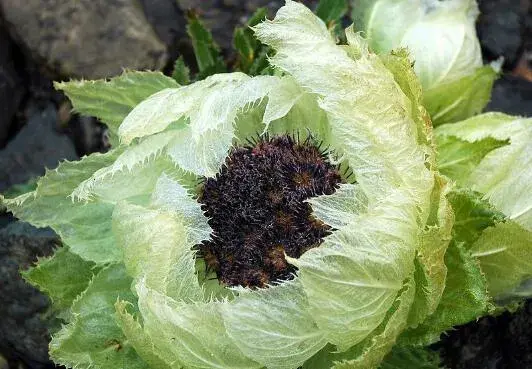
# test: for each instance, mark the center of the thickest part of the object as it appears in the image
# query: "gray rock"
(11, 87)
(37, 146)
(501, 27)
(86, 38)
(167, 20)
(24, 333)
(511, 95)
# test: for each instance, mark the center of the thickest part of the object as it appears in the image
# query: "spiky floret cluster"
(256, 209)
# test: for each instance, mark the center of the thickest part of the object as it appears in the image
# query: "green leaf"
(403, 357)
(458, 158)
(505, 256)
(372, 351)
(192, 335)
(111, 100)
(455, 84)
(84, 227)
(93, 339)
(181, 72)
(472, 215)
(504, 176)
(207, 52)
(331, 10)
(457, 100)
(464, 299)
(431, 271)
(62, 277)
(113, 182)
(140, 341)
(257, 324)
(250, 51)
(157, 250)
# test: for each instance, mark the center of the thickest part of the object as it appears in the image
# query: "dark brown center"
(256, 209)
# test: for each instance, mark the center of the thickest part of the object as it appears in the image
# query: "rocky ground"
(42, 41)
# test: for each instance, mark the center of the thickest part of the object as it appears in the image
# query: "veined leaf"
(458, 158)
(85, 228)
(457, 100)
(464, 299)
(256, 323)
(207, 52)
(157, 250)
(93, 339)
(504, 175)
(412, 358)
(189, 334)
(62, 277)
(505, 256)
(181, 72)
(111, 101)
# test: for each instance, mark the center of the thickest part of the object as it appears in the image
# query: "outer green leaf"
(207, 52)
(464, 299)
(145, 154)
(194, 335)
(431, 272)
(473, 215)
(85, 228)
(62, 277)
(93, 339)
(457, 100)
(111, 100)
(458, 158)
(411, 358)
(258, 324)
(156, 250)
(181, 72)
(331, 10)
(504, 176)
(171, 196)
(250, 50)
(505, 255)
(141, 342)
(455, 84)
(372, 351)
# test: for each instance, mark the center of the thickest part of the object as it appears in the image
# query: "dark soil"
(503, 342)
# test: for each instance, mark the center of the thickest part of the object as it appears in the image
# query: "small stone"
(86, 38)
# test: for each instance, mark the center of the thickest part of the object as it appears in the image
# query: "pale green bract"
(504, 174)
(442, 39)
(130, 218)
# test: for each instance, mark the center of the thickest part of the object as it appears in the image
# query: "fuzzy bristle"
(256, 209)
